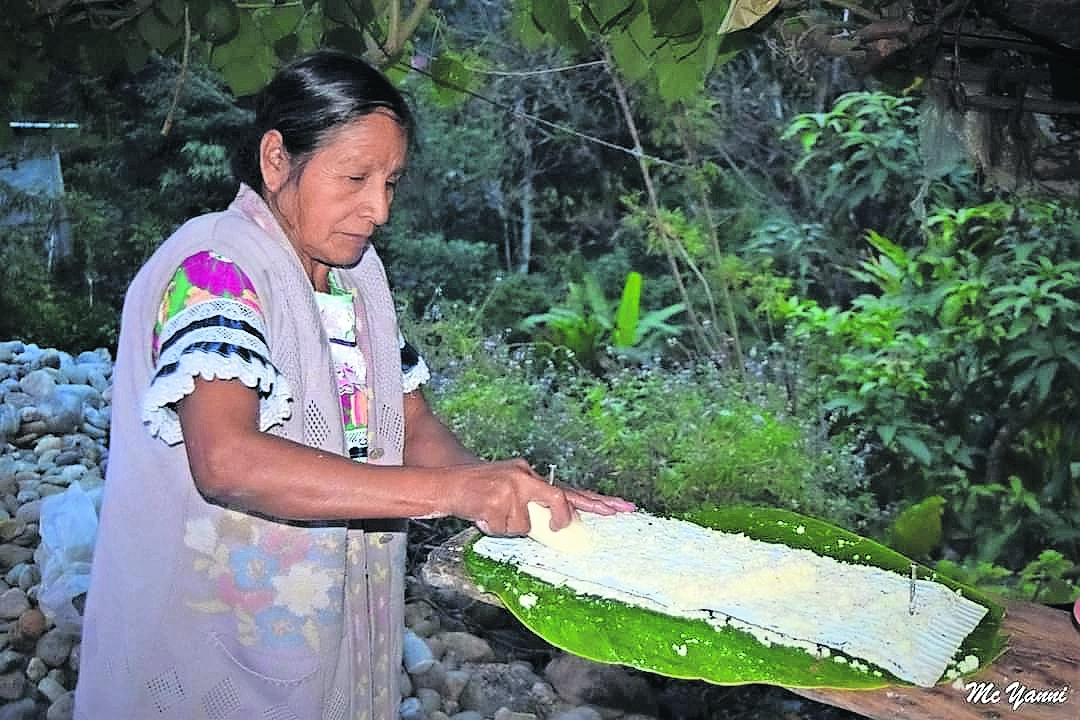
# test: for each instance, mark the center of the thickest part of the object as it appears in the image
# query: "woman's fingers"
(501, 499)
(562, 509)
(589, 501)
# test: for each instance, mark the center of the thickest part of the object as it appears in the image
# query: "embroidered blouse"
(209, 323)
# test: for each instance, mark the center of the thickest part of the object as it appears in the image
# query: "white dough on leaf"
(573, 539)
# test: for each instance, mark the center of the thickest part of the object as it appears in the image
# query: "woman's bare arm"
(428, 442)
(233, 462)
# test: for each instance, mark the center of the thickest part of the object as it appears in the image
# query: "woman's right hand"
(496, 495)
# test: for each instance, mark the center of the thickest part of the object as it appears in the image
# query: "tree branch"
(181, 79)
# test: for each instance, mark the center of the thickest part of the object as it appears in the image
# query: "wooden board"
(1043, 656)
(1038, 677)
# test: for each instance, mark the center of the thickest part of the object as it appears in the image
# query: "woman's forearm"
(428, 442)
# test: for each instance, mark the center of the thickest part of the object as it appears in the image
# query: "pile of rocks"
(54, 420)
(455, 674)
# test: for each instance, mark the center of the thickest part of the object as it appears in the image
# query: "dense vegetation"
(783, 291)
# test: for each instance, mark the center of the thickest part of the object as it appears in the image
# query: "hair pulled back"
(309, 99)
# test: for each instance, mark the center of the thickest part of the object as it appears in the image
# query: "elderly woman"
(270, 438)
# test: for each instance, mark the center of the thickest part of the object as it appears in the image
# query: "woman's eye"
(358, 178)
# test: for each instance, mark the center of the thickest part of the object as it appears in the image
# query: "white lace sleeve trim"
(417, 375)
(196, 347)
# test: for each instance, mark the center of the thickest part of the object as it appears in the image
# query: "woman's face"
(331, 205)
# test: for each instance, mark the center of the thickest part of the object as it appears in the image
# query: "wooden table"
(1037, 678)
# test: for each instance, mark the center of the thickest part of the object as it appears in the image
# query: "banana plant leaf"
(610, 631)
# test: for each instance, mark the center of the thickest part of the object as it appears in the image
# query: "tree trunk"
(527, 193)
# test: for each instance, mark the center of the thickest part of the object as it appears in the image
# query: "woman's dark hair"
(310, 98)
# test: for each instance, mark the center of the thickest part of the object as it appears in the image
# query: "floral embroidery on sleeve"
(210, 324)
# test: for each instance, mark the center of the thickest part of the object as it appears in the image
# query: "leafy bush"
(590, 327)
(51, 306)
(433, 269)
(672, 440)
(865, 167)
(965, 365)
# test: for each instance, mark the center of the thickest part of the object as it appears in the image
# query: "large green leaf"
(451, 79)
(626, 317)
(246, 62)
(157, 33)
(678, 20)
(612, 632)
(607, 15)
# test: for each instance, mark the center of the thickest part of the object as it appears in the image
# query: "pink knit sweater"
(200, 611)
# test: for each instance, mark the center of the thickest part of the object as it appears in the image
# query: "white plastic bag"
(68, 527)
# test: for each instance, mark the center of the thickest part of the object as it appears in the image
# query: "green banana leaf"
(609, 631)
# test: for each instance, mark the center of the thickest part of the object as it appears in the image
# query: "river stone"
(36, 670)
(434, 677)
(67, 457)
(98, 380)
(584, 682)
(9, 421)
(55, 646)
(11, 660)
(25, 709)
(75, 657)
(430, 700)
(51, 687)
(63, 708)
(421, 618)
(76, 374)
(71, 473)
(467, 715)
(29, 511)
(13, 603)
(64, 410)
(12, 686)
(505, 713)
(465, 647)
(9, 349)
(494, 685)
(578, 713)
(454, 682)
(39, 384)
(27, 629)
(51, 358)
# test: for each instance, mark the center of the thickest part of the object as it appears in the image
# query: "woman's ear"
(274, 161)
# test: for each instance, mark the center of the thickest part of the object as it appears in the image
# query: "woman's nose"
(377, 204)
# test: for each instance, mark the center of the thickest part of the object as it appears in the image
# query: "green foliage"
(587, 323)
(1045, 579)
(736, 453)
(917, 530)
(460, 174)
(49, 306)
(432, 269)
(674, 44)
(863, 160)
(244, 41)
(1049, 578)
(858, 148)
(965, 365)
(799, 251)
(672, 440)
